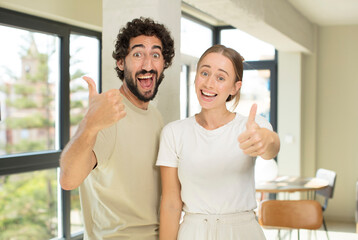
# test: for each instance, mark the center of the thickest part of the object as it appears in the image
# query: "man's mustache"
(145, 72)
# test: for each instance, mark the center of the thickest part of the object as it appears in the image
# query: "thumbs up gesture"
(104, 109)
(255, 141)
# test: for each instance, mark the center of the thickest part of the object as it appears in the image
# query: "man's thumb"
(91, 86)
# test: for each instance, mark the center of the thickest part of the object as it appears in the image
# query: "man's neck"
(132, 98)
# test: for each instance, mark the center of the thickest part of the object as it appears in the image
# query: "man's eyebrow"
(142, 46)
(157, 46)
(137, 45)
(208, 66)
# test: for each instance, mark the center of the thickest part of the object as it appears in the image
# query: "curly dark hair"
(147, 27)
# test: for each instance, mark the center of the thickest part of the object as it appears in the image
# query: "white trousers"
(238, 226)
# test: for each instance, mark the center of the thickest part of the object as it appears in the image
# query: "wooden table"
(290, 184)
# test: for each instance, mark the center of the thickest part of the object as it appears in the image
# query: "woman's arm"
(171, 204)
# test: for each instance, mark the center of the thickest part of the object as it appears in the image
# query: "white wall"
(82, 13)
(289, 113)
(337, 114)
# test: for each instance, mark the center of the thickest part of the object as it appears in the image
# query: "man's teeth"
(145, 77)
(208, 94)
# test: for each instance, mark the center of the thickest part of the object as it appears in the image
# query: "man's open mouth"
(146, 81)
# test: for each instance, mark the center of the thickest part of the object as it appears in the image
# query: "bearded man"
(112, 155)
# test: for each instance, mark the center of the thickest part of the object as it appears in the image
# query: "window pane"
(195, 38)
(251, 48)
(183, 91)
(194, 106)
(76, 215)
(84, 60)
(255, 89)
(29, 76)
(28, 205)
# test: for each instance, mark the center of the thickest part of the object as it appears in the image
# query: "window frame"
(270, 65)
(27, 162)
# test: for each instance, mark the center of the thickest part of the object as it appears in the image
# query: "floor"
(336, 231)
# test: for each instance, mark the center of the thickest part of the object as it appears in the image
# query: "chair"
(327, 192)
(291, 214)
(357, 207)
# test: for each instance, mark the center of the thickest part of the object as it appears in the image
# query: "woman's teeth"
(208, 94)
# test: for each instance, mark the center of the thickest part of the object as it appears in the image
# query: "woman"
(207, 161)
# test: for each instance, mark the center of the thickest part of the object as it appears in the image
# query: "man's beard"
(133, 85)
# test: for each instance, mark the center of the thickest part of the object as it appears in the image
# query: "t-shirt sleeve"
(263, 122)
(104, 145)
(167, 155)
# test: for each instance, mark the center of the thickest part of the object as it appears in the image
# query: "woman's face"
(215, 81)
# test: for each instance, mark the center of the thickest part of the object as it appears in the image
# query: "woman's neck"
(213, 119)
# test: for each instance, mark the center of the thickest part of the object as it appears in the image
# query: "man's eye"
(137, 54)
(156, 55)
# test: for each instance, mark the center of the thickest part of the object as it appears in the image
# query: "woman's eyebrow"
(208, 66)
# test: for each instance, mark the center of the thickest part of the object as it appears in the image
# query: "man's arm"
(78, 159)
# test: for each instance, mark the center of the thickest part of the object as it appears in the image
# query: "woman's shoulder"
(179, 124)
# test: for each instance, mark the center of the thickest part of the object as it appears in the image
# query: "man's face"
(143, 67)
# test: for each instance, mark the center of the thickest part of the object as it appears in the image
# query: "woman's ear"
(237, 87)
(120, 64)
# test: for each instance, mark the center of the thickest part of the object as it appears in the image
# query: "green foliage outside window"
(28, 206)
(28, 201)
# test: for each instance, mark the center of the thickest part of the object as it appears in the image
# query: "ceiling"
(328, 12)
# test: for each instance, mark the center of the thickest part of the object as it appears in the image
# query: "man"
(112, 155)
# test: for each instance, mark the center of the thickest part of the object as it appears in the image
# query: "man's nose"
(147, 63)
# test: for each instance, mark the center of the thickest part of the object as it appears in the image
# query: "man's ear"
(120, 64)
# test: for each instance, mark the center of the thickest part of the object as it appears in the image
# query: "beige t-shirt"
(120, 197)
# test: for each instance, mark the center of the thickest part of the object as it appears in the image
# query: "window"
(196, 37)
(260, 77)
(42, 100)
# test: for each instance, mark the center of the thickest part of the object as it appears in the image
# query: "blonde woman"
(207, 160)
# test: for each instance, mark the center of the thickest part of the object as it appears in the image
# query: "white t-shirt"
(216, 176)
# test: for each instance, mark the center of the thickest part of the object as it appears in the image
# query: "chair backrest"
(331, 177)
(357, 205)
(294, 214)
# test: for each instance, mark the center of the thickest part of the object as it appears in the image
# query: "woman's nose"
(209, 82)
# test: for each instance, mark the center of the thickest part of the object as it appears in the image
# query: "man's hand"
(104, 109)
(255, 140)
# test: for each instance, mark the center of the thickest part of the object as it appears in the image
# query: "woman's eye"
(205, 74)
(221, 78)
